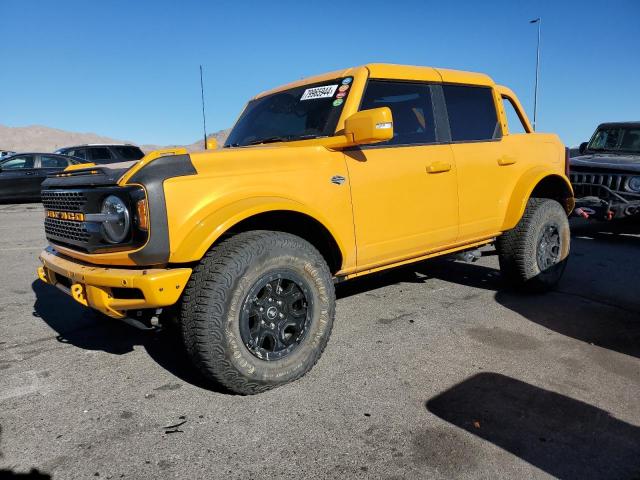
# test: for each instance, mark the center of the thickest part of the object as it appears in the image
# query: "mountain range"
(38, 138)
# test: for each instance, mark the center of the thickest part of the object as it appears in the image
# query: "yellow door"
(486, 165)
(404, 192)
(484, 185)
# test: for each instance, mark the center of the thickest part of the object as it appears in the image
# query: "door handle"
(438, 167)
(30, 173)
(506, 160)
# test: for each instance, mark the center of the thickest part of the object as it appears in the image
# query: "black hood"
(92, 176)
(608, 161)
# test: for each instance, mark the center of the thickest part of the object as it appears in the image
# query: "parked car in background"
(6, 153)
(606, 174)
(97, 153)
(21, 174)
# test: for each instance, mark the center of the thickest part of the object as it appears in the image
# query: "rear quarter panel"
(539, 155)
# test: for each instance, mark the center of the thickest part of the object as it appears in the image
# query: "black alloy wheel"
(276, 315)
(549, 247)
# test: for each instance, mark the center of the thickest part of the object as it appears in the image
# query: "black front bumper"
(600, 209)
(601, 194)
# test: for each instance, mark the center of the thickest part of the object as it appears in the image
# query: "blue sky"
(129, 69)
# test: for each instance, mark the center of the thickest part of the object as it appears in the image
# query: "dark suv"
(606, 174)
(104, 153)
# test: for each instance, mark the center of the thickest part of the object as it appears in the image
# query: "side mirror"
(212, 144)
(369, 126)
(583, 147)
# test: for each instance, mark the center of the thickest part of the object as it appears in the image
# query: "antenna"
(535, 93)
(204, 118)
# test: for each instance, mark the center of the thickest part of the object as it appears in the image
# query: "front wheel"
(258, 311)
(534, 254)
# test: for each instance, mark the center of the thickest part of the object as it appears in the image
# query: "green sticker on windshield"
(337, 102)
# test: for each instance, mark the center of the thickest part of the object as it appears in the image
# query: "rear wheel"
(258, 311)
(533, 255)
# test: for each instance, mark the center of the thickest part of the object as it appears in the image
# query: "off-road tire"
(518, 248)
(212, 303)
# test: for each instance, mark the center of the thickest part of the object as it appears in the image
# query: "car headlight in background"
(633, 184)
(118, 222)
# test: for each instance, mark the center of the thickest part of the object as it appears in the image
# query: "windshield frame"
(333, 122)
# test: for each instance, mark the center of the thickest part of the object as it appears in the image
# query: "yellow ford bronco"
(322, 180)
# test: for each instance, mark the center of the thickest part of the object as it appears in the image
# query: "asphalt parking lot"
(432, 371)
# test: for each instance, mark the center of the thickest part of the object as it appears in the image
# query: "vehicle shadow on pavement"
(594, 302)
(89, 330)
(628, 226)
(407, 274)
(33, 474)
(564, 437)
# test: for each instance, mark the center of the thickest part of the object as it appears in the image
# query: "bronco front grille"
(66, 229)
(80, 232)
(72, 201)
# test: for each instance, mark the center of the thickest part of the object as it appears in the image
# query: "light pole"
(535, 93)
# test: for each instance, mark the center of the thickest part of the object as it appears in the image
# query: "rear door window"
(78, 152)
(472, 113)
(98, 154)
(411, 108)
(48, 161)
(128, 152)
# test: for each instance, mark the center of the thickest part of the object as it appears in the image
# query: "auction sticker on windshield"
(319, 92)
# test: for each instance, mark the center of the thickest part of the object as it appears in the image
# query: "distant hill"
(38, 138)
(220, 136)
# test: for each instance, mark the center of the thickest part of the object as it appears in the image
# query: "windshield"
(308, 111)
(616, 139)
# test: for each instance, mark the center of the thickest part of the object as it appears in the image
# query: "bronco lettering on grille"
(78, 217)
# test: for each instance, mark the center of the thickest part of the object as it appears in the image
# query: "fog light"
(117, 226)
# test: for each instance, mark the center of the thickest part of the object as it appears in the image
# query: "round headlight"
(116, 226)
(633, 184)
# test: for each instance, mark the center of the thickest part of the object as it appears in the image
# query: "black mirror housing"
(583, 147)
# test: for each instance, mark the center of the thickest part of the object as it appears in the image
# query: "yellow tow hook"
(42, 274)
(77, 292)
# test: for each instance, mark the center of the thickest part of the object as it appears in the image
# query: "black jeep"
(606, 174)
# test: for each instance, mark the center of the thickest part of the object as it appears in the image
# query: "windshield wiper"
(256, 142)
(283, 138)
(277, 138)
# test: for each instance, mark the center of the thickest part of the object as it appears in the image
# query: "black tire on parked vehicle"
(533, 255)
(258, 311)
